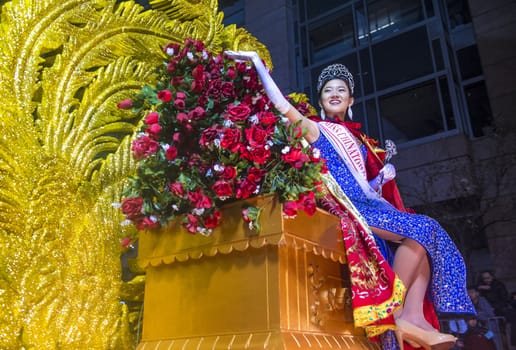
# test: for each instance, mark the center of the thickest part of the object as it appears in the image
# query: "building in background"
(435, 76)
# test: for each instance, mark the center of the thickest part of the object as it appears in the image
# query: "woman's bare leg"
(412, 266)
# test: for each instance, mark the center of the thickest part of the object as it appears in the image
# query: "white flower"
(228, 123)
(209, 173)
(219, 167)
(254, 119)
(116, 205)
(285, 150)
(190, 56)
(153, 218)
(204, 231)
(204, 55)
(175, 207)
(170, 51)
(216, 142)
(198, 211)
(165, 146)
(125, 223)
(316, 153)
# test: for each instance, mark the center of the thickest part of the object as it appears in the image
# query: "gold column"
(286, 288)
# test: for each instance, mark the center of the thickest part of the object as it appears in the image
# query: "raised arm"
(275, 95)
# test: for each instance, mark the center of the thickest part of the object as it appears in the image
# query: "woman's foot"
(419, 322)
(428, 339)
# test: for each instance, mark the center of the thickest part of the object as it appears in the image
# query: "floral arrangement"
(210, 135)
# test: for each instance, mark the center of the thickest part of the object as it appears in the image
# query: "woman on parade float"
(430, 267)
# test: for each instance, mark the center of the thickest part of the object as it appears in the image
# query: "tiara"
(335, 71)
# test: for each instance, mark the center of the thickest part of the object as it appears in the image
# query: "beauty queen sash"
(376, 290)
(346, 145)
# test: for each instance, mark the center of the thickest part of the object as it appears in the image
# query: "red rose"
(153, 130)
(209, 135)
(245, 189)
(324, 169)
(256, 174)
(222, 189)
(197, 86)
(143, 147)
(298, 132)
(165, 95)
(179, 103)
(258, 155)
(227, 89)
(176, 81)
(213, 89)
(307, 203)
(213, 220)
(191, 223)
(198, 72)
(229, 173)
(295, 157)
(231, 139)
(231, 73)
(290, 209)
(197, 113)
(132, 207)
(257, 136)
(182, 118)
(176, 189)
(171, 153)
(241, 67)
(267, 118)
(171, 66)
(237, 113)
(125, 104)
(145, 223)
(152, 118)
(199, 199)
(202, 100)
(180, 95)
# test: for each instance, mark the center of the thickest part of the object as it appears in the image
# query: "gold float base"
(286, 288)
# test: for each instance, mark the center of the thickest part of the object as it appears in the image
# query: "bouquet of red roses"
(210, 135)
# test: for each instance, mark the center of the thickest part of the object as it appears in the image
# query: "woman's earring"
(323, 115)
(350, 113)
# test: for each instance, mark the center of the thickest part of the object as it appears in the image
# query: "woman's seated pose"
(426, 259)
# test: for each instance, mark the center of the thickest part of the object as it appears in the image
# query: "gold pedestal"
(281, 289)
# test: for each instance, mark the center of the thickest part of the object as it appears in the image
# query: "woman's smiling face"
(336, 98)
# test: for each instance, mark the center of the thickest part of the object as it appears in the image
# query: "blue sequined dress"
(448, 281)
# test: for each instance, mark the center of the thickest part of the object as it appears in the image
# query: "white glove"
(270, 87)
(387, 173)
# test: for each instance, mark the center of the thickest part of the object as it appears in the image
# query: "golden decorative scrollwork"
(327, 298)
(65, 157)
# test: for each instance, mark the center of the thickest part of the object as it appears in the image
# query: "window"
(469, 62)
(387, 16)
(411, 113)
(317, 8)
(402, 58)
(331, 37)
(458, 13)
(479, 108)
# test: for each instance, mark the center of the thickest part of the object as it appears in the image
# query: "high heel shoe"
(427, 339)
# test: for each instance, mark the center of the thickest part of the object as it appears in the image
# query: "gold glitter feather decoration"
(65, 157)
